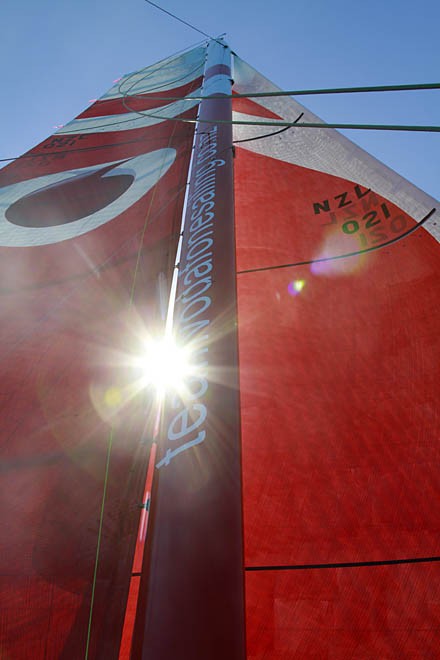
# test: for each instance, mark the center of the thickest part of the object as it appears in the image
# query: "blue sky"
(56, 56)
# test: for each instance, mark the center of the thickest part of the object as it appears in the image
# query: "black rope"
(343, 256)
(345, 564)
(266, 135)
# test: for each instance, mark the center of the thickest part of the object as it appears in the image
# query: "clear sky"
(56, 56)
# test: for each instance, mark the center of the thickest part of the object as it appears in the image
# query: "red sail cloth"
(72, 314)
(339, 384)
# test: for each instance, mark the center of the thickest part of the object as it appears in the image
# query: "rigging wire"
(342, 256)
(193, 27)
(311, 92)
(284, 124)
(391, 127)
(380, 127)
(344, 90)
(241, 122)
(153, 69)
(364, 127)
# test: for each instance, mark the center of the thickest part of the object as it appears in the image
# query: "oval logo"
(63, 205)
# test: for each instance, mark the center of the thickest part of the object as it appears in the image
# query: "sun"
(164, 365)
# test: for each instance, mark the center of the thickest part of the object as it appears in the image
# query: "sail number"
(372, 223)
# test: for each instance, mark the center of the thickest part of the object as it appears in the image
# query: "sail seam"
(95, 148)
(98, 544)
(347, 564)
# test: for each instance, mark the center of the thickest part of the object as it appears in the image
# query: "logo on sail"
(63, 205)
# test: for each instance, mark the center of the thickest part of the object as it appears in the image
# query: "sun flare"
(165, 365)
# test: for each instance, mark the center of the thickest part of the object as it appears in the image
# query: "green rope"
(98, 546)
(342, 90)
(240, 122)
(365, 127)
(305, 92)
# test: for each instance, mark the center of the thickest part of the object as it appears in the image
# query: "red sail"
(338, 347)
(89, 224)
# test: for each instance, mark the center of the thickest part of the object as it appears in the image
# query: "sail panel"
(319, 218)
(382, 612)
(337, 260)
(322, 150)
(165, 76)
(338, 399)
(89, 226)
(141, 101)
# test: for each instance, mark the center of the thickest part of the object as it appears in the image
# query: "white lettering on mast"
(193, 303)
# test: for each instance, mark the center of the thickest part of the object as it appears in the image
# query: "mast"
(192, 594)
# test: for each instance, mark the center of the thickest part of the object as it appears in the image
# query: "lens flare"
(165, 365)
(113, 397)
(332, 258)
(296, 287)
